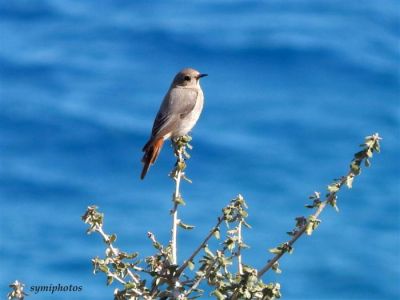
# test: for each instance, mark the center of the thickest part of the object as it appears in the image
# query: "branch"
(201, 246)
(174, 211)
(177, 174)
(239, 254)
(214, 267)
(233, 212)
(303, 225)
(290, 243)
(199, 280)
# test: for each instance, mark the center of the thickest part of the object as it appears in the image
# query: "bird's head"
(188, 77)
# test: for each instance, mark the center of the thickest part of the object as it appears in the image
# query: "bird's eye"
(187, 78)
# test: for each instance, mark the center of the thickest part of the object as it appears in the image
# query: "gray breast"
(189, 120)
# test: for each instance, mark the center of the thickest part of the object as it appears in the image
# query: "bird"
(178, 114)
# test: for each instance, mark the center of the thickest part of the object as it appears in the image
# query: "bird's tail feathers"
(151, 151)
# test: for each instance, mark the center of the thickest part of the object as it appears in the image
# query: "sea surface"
(293, 89)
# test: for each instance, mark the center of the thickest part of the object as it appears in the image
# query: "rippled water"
(293, 88)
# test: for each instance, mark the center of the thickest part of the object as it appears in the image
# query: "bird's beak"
(202, 75)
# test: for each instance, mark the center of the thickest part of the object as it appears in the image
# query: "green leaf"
(230, 245)
(186, 139)
(316, 195)
(179, 200)
(129, 285)
(287, 248)
(112, 238)
(103, 268)
(132, 255)
(349, 181)
(312, 224)
(186, 154)
(208, 252)
(243, 245)
(367, 162)
(275, 267)
(309, 228)
(190, 265)
(110, 279)
(355, 167)
(218, 294)
(376, 146)
(246, 224)
(275, 250)
(200, 273)
(157, 245)
(300, 221)
(226, 261)
(244, 214)
(333, 203)
(359, 154)
(187, 179)
(333, 188)
(185, 226)
(369, 142)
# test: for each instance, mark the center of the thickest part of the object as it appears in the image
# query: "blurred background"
(293, 89)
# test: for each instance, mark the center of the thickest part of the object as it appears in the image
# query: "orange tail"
(151, 151)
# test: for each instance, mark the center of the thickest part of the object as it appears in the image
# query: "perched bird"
(178, 113)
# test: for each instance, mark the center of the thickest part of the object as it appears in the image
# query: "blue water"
(293, 88)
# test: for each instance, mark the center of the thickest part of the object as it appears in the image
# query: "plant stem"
(116, 277)
(115, 253)
(206, 272)
(301, 231)
(201, 246)
(175, 220)
(198, 281)
(370, 145)
(174, 234)
(239, 255)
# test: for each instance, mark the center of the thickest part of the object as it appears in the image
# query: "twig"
(198, 281)
(239, 255)
(291, 242)
(174, 211)
(174, 234)
(116, 277)
(115, 252)
(371, 144)
(193, 255)
(106, 239)
(206, 272)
